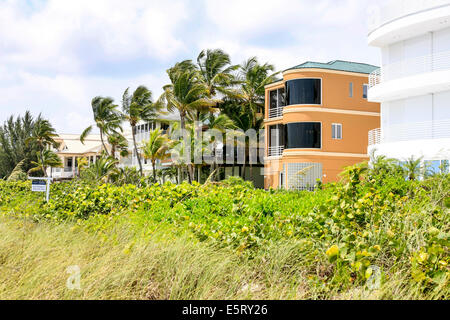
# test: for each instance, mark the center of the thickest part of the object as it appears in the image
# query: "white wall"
(414, 117)
(441, 107)
(432, 42)
(441, 40)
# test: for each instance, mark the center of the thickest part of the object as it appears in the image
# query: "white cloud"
(65, 99)
(239, 17)
(55, 56)
(52, 36)
(289, 32)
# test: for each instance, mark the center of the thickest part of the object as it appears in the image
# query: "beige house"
(71, 149)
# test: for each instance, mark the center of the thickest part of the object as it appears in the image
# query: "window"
(336, 129)
(164, 127)
(304, 91)
(365, 91)
(351, 90)
(276, 100)
(276, 135)
(281, 182)
(303, 135)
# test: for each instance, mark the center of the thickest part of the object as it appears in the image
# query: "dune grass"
(34, 260)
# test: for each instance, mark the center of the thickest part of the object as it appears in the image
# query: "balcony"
(64, 173)
(395, 10)
(412, 131)
(411, 77)
(276, 151)
(430, 63)
(275, 112)
(374, 137)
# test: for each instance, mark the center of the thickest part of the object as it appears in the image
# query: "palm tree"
(139, 107)
(245, 104)
(106, 117)
(157, 148)
(186, 94)
(47, 158)
(43, 136)
(101, 170)
(118, 143)
(219, 122)
(413, 168)
(244, 119)
(216, 71)
(253, 79)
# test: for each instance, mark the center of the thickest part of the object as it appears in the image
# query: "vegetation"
(382, 232)
(376, 234)
(13, 149)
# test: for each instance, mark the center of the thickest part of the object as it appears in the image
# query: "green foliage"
(373, 218)
(13, 148)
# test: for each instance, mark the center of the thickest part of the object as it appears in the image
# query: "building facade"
(317, 119)
(413, 83)
(71, 149)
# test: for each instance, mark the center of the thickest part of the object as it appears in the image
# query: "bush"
(373, 219)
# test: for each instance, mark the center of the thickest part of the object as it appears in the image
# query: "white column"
(73, 166)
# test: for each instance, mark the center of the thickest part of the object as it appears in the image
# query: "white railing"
(430, 63)
(64, 173)
(374, 137)
(425, 130)
(375, 78)
(276, 151)
(381, 15)
(275, 112)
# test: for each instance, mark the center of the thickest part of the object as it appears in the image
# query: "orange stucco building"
(317, 120)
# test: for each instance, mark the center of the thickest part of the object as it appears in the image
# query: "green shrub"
(373, 218)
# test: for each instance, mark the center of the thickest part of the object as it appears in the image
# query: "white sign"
(38, 186)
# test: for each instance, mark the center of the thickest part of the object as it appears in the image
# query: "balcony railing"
(439, 129)
(374, 137)
(64, 173)
(430, 63)
(275, 112)
(276, 151)
(381, 15)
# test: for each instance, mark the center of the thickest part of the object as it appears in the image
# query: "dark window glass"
(277, 98)
(281, 97)
(273, 99)
(303, 135)
(365, 91)
(303, 91)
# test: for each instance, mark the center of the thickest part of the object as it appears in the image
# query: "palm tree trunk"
(199, 174)
(113, 151)
(103, 142)
(245, 162)
(198, 132)
(43, 166)
(154, 169)
(183, 127)
(133, 133)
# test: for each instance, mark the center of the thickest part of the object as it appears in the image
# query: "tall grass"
(34, 259)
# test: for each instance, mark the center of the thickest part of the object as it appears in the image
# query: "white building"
(143, 130)
(71, 150)
(413, 84)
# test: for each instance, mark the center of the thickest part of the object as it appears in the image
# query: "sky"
(55, 56)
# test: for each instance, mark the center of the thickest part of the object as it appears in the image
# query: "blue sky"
(55, 56)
